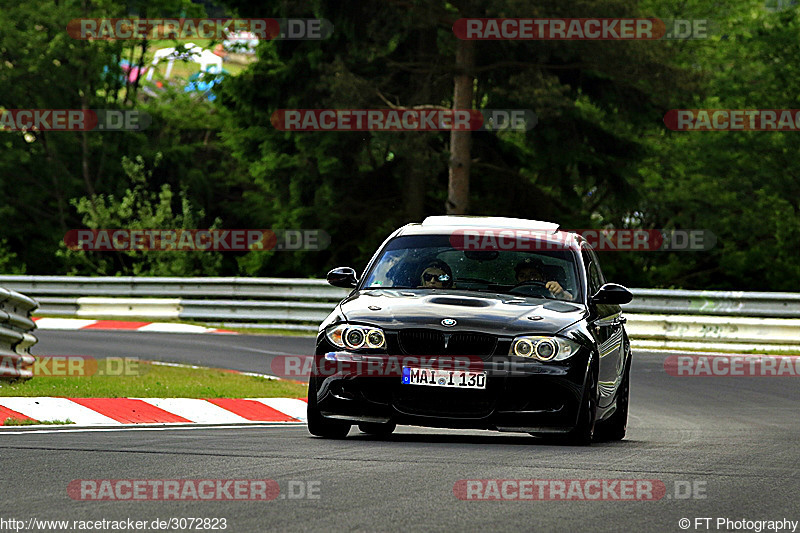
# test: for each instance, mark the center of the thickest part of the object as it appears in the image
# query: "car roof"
(490, 222)
(448, 224)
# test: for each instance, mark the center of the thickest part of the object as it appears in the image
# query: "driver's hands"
(557, 290)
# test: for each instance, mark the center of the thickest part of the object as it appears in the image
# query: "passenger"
(532, 269)
(437, 275)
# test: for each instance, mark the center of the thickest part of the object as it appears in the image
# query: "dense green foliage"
(600, 155)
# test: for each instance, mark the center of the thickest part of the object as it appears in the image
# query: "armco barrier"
(15, 335)
(714, 332)
(138, 287)
(161, 308)
(285, 303)
(62, 291)
(722, 303)
(656, 317)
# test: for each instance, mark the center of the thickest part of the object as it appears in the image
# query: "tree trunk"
(419, 169)
(415, 194)
(458, 183)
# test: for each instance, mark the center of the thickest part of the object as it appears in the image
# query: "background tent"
(209, 62)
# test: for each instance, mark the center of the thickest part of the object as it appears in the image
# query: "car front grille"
(434, 342)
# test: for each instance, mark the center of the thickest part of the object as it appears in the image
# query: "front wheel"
(615, 426)
(318, 425)
(583, 432)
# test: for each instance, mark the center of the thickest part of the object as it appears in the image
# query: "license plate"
(433, 377)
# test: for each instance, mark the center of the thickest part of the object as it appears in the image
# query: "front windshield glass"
(431, 262)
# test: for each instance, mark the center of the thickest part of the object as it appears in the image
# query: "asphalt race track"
(722, 447)
(247, 353)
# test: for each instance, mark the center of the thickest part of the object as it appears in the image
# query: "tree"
(460, 160)
(582, 157)
(141, 209)
(42, 67)
(742, 186)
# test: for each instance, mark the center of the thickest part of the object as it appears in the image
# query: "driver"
(531, 269)
(437, 275)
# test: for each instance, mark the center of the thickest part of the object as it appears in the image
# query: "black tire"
(318, 425)
(615, 426)
(378, 429)
(583, 432)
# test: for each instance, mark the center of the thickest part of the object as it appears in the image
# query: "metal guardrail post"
(15, 335)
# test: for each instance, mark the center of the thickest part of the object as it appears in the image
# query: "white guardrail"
(657, 318)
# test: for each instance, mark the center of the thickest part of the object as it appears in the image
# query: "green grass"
(266, 330)
(156, 381)
(26, 422)
(157, 44)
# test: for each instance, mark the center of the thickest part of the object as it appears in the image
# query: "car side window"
(599, 271)
(593, 273)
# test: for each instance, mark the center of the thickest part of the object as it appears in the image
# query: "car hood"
(497, 314)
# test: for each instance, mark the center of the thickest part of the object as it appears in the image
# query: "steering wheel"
(541, 285)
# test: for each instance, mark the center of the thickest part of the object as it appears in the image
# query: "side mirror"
(344, 277)
(612, 294)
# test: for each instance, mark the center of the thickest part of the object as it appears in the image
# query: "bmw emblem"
(442, 381)
(449, 322)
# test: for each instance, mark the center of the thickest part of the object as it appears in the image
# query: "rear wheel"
(378, 429)
(615, 426)
(317, 424)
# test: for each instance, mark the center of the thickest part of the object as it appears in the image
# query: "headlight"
(375, 339)
(543, 348)
(355, 337)
(523, 348)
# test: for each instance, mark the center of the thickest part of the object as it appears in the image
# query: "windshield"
(431, 262)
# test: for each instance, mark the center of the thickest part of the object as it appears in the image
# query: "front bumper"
(520, 395)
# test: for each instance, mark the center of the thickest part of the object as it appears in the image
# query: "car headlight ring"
(354, 337)
(543, 348)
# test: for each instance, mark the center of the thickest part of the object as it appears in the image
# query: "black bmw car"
(475, 322)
